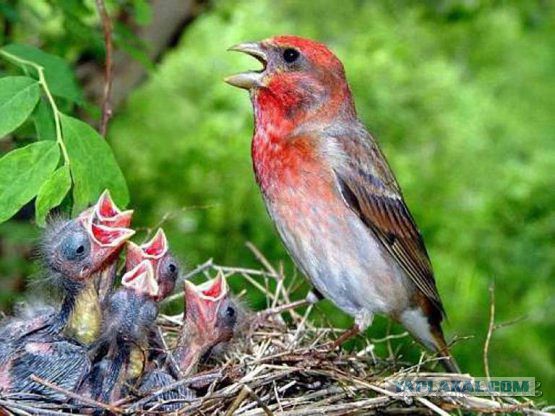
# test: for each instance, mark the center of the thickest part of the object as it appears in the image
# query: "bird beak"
(249, 79)
(106, 242)
(105, 236)
(141, 279)
(153, 251)
(203, 301)
(109, 214)
(133, 256)
(156, 247)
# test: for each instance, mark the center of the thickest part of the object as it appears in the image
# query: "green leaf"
(58, 74)
(52, 193)
(44, 121)
(18, 97)
(22, 173)
(93, 165)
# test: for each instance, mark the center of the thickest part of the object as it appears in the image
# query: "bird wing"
(59, 362)
(369, 188)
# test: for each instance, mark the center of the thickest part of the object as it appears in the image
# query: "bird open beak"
(249, 79)
(105, 212)
(109, 214)
(203, 301)
(157, 246)
(105, 236)
(133, 256)
(106, 242)
(153, 250)
(141, 279)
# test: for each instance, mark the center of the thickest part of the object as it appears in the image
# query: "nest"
(282, 364)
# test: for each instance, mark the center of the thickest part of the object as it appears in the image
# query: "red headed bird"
(331, 194)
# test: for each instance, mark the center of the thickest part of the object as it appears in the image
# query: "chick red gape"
(106, 212)
(157, 252)
(333, 198)
(210, 319)
(109, 214)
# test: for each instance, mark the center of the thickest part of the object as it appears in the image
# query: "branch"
(491, 328)
(107, 29)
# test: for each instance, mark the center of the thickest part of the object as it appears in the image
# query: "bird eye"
(290, 55)
(75, 246)
(172, 267)
(230, 312)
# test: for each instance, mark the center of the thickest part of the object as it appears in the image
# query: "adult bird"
(331, 194)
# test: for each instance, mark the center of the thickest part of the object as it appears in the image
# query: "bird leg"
(314, 296)
(349, 333)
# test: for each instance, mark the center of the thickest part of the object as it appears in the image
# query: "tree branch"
(107, 29)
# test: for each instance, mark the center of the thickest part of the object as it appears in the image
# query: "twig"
(237, 402)
(76, 396)
(491, 328)
(183, 382)
(107, 29)
(432, 406)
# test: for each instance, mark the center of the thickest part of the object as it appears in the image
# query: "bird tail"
(447, 360)
(428, 332)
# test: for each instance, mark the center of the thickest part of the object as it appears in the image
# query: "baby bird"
(157, 252)
(211, 319)
(86, 322)
(128, 332)
(130, 315)
(72, 252)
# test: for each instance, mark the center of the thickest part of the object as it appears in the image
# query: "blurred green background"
(461, 95)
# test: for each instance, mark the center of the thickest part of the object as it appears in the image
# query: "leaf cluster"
(65, 154)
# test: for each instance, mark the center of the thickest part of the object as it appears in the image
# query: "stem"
(53, 105)
(107, 29)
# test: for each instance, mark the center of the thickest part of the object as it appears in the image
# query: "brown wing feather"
(370, 189)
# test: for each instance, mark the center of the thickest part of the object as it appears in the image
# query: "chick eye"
(290, 55)
(172, 268)
(230, 312)
(75, 247)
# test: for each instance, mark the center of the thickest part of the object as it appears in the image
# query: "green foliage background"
(461, 95)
